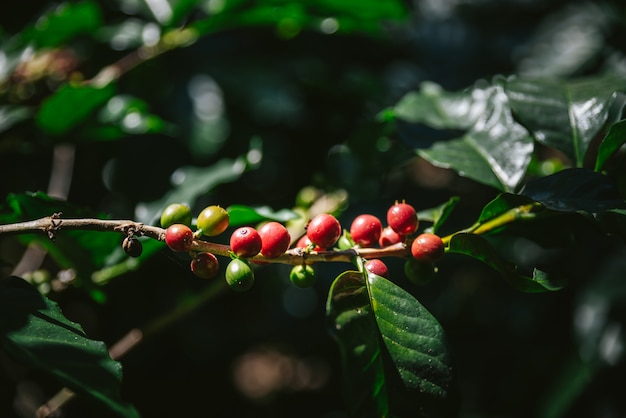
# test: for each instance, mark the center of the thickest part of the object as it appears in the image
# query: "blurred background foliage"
(302, 84)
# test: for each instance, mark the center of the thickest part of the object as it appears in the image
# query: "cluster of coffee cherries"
(323, 233)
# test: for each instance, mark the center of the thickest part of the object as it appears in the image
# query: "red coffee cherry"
(428, 248)
(324, 230)
(402, 218)
(245, 242)
(366, 230)
(179, 237)
(389, 237)
(377, 267)
(275, 239)
(205, 265)
(305, 241)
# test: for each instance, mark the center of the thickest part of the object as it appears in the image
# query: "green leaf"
(351, 322)
(575, 189)
(495, 151)
(18, 207)
(70, 105)
(438, 215)
(614, 139)
(564, 114)
(416, 344)
(193, 182)
(67, 21)
(501, 204)
(34, 332)
(247, 215)
(479, 248)
(393, 350)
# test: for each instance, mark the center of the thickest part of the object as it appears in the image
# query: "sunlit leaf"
(394, 352)
(563, 114)
(35, 333)
(479, 248)
(70, 105)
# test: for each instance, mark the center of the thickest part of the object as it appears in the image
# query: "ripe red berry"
(324, 230)
(305, 241)
(245, 242)
(179, 237)
(427, 248)
(366, 230)
(377, 267)
(389, 237)
(275, 239)
(205, 265)
(402, 218)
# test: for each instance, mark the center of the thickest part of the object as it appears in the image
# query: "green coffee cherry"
(239, 275)
(302, 276)
(176, 213)
(213, 220)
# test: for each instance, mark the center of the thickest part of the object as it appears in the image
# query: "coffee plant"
(314, 209)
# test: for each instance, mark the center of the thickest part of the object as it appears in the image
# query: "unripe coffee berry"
(366, 230)
(245, 242)
(324, 230)
(302, 276)
(419, 272)
(205, 265)
(132, 246)
(213, 220)
(389, 237)
(377, 267)
(428, 248)
(275, 239)
(402, 218)
(179, 237)
(239, 275)
(176, 213)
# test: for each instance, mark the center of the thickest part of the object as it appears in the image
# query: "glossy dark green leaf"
(35, 333)
(247, 215)
(351, 322)
(614, 139)
(575, 189)
(65, 22)
(71, 105)
(563, 114)
(438, 215)
(394, 352)
(479, 248)
(495, 150)
(417, 346)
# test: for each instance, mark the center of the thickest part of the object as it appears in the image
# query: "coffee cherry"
(377, 267)
(389, 237)
(427, 248)
(205, 265)
(302, 276)
(176, 213)
(213, 220)
(179, 237)
(324, 230)
(305, 242)
(366, 230)
(402, 218)
(419, 272)
(275, 239)
(245, 242)
(132, 246)
(239, 275)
